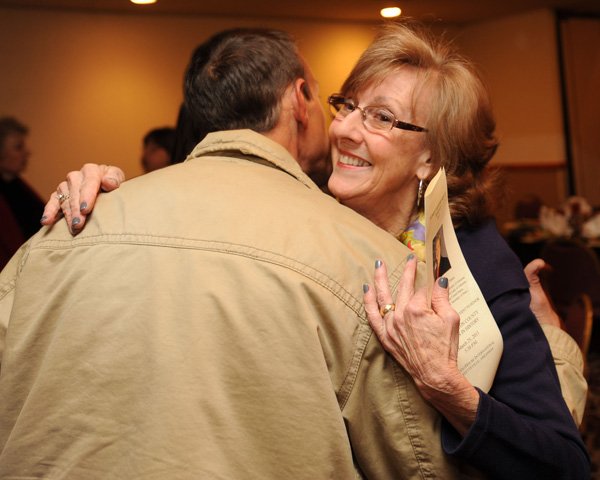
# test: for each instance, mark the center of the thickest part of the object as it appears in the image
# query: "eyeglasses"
(373, 117)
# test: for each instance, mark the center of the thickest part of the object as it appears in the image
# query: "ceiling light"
(143, 2)
(390, 12)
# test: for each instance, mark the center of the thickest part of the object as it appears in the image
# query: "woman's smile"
(351, 161)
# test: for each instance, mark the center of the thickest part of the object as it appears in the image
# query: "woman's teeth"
(353, 161)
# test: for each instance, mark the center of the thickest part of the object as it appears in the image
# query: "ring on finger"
(387, 308)
(61, 197)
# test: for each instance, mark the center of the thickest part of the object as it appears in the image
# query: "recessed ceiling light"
(143, 2)
(390, 12)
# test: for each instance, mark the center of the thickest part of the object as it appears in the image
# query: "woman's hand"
(74, 198)
(424, 341)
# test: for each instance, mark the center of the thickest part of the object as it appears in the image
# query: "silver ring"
(387, 308)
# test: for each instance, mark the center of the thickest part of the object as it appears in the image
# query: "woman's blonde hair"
(460, 122)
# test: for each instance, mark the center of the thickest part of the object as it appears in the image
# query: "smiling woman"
(407, 74)
(376, 167)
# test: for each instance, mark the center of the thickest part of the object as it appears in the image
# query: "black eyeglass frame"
(336, 101)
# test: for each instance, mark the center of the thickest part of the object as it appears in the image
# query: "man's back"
(208, 323)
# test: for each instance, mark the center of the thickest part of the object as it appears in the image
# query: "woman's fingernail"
(112, 180)
(443, 282)
(365, 287)
(410, 257)
(43, 219)
(83, 206)
(378, 263)
(76, 221)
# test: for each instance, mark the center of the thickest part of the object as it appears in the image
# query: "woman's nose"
(351, 126)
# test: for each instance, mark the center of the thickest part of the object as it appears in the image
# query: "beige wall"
(581, 38)
(518, 56)
(90, 85)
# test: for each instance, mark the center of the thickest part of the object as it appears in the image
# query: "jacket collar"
(253, 147)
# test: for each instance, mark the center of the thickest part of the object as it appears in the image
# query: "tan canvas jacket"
(207, 323)
(568, 360)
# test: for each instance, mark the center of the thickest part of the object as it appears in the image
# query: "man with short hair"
(208, 322)
(157, 148)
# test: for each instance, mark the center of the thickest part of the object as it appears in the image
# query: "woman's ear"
(426, 167)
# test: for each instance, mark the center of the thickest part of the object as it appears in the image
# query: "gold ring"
(61, 197)
(387, 308)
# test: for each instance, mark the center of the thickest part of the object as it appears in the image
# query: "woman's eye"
(383, 116)
(348, 107)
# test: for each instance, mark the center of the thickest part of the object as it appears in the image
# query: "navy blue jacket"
(523, 429)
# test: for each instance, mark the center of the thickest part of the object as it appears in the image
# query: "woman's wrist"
(457, 400)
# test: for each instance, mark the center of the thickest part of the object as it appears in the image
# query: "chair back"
(578, 319)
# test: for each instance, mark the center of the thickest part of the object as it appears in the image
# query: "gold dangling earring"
(420, 193)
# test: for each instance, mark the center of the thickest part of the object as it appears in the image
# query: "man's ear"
(301, 96)
(306, 90)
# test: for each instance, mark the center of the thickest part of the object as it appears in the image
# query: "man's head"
(256, 79)
(157, 148)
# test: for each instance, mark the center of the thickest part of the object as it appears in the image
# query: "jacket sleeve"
(569, 366)
(523, 427)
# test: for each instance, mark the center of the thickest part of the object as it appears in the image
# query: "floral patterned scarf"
(414, 236)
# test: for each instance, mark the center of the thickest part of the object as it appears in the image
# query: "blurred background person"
(186, 136)
(20, 207)
(158, 145)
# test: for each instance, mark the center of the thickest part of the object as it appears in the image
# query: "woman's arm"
(522, 428)
(75, 197)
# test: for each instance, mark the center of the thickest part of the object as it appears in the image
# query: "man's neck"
(284, 137)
